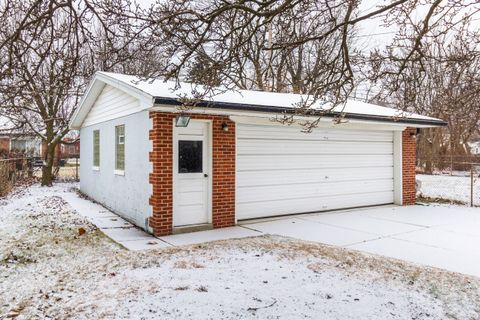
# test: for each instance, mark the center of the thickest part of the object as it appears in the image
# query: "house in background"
(15, 143)
(226, 160)
(70, 149)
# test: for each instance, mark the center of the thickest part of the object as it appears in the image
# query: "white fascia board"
(93, 91)
(251, 117)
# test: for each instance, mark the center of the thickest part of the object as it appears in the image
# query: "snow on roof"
(167, 89)
(5, 124)
(152, 89)
(8, 128)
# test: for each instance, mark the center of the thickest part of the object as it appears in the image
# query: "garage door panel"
(286, 147)
(286, 162)
(293, 133)
(299, 176)
(284, 206)
(312, 190)
(281, 170)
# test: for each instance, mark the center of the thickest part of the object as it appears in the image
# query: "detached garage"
(168, 169)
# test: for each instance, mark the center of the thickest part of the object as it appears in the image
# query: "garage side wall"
(128, 194)
(408, 166)
(161, 177)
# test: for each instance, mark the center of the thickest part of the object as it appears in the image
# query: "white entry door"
(191, 156)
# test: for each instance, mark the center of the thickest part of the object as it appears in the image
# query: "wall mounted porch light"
(414, 134)
(225, 126)
(182, 121)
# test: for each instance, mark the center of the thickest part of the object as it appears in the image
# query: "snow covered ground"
(446, 187)
(49, 271)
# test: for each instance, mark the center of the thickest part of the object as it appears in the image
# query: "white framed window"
(96, 149)
(120, 149)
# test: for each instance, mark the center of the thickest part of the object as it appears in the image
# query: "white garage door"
(281, 170)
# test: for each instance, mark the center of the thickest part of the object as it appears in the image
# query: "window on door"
(190, 156)
(120, 148)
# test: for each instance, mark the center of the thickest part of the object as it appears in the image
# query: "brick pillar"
(223, 164)
(408, 166)
(161, 178)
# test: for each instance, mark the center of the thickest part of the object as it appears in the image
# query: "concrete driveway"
(445, 237)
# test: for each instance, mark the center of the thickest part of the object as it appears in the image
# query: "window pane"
(96, 148)
(190, 156)
(120, 147)
(19, 146)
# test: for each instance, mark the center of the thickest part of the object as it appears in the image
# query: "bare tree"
(49, 48)
(48, 52)
(444, 83)
(234, 36)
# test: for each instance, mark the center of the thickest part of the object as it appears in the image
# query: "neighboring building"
(145, 160)
(70, 150)
(14, 143)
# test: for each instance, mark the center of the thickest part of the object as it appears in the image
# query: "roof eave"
(273, 109)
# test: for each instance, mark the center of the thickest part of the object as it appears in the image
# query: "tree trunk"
(47, 169)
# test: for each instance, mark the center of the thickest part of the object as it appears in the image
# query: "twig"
(264, 307)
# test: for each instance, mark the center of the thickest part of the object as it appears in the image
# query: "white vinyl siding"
(281, 170)
(112, 103)
(120, 148)
(96, 148)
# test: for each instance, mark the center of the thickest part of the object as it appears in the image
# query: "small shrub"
(5, 181)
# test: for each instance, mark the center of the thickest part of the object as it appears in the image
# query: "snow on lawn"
(453, 188)
(49, 271)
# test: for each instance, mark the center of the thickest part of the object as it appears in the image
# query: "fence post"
(30, 167)
(76, 168)
(471, 184)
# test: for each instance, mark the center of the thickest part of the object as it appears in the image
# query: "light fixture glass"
(182, 121)
(225, 126)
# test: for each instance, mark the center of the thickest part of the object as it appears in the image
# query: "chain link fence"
(18, 169)
(64, 168)
(447, 180)
(68, 168)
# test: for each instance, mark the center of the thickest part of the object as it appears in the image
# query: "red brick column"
(161, 178)
(223, 165)
(409, 164)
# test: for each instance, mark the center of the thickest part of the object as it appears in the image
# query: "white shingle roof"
(168, 90)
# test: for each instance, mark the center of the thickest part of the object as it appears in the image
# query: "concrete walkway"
(115, 227)
(133, 238)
